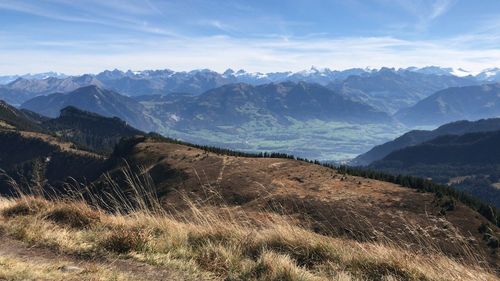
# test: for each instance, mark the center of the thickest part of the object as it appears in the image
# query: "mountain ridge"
(166, 81)
(415, 137)
(455, 103)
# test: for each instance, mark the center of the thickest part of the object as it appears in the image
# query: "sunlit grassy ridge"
(423, 185)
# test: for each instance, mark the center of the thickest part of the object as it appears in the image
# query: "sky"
(76, 37)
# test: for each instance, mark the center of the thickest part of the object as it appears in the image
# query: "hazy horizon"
(367, 68)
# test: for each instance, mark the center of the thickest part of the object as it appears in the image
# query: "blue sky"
(89, 36)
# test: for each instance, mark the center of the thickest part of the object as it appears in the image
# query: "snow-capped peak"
(460, 72)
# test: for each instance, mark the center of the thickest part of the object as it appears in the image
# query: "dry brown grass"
(23, 207)
(219, 242)
(209, 245)
(17, 269)
(73, 215)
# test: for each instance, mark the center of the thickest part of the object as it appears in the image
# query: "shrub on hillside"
(24, 208)
(71, 216)
(123, 240)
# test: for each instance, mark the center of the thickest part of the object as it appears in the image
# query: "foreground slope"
(69, 240)
(321, 198)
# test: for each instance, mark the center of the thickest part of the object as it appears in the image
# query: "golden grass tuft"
(73, 215)
(121, 239)
(378, 270)
(274, 267)
(26, 206)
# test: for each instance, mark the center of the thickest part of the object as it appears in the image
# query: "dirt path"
(24, 254)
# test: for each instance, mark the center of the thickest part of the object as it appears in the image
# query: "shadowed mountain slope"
(236, 104)
(419, 136)
(89, 130)
(457, 103)
(21, 119)
(40, 163)
(469, 162)
(97, 100)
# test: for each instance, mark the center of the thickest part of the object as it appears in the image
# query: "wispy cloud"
(107, 13)
(440, 7)
(424, 11)
(265, 54)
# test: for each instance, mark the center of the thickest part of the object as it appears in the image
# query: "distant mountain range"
(37, 76)
(314, 74)
(427, 80)
(231, 104)
(23, 89)
(390, 90)
(456, 103)
(316, 113)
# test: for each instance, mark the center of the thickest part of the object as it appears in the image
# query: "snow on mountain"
(7, 79)
(460, 72)
(490, 74)
(29, 76)
(436, 70)
(313, 74)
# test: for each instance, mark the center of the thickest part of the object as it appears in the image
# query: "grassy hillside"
(203, 243)
(322, 199)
